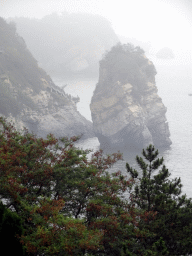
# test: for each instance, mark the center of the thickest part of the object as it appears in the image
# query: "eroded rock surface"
(28, 96)
(50, 111)
(126, 109)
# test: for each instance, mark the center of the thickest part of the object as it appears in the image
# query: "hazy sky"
(162, 22)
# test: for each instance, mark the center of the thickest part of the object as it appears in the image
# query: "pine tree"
(10, 227)
(156, 192)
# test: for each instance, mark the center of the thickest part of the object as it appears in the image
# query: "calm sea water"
(174, 83)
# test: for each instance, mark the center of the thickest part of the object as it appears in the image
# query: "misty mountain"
(28, 95)
(67, 44)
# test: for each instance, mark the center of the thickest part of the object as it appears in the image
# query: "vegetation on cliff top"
(69, 205)
(128, 64)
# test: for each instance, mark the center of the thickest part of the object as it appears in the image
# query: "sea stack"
(126, 109)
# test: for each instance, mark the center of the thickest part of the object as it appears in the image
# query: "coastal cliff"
(28, 96)
(126, 109)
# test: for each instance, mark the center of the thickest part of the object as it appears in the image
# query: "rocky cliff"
(126, 109)
(29, 97)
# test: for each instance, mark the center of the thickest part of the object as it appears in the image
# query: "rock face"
(126, 109)
(59, 117)
(28, 95)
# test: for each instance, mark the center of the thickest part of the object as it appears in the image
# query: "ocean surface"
(174, 83)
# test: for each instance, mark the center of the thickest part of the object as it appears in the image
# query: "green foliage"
(10, 227)
(66, 204)
(155, 192)
(127, 64)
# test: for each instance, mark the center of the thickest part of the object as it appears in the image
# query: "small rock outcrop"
(165, 53)
(28, 95)
(126, 109)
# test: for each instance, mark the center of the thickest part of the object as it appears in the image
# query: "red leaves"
(37, 175)
(101, 162)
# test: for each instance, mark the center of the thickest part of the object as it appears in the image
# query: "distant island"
(67, 44)
(165, 53)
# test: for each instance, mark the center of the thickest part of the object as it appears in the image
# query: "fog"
(152, 24)
(161, 23)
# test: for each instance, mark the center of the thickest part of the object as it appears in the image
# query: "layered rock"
(28, 96)
(126, 109)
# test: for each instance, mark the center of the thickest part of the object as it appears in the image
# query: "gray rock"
(28, 96)
(126, 113)
(66, 122)
(50, 116)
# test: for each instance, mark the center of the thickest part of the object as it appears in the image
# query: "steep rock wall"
(49, 111)
(28, 95)
(126, 109)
